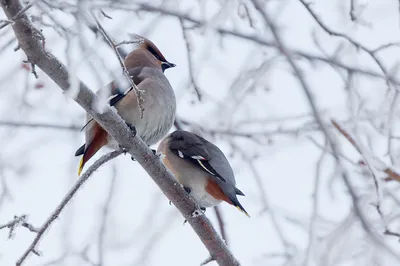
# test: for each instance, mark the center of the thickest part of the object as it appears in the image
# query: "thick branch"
(30, 43)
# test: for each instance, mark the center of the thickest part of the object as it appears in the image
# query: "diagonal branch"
(30, 43)
(138, 92)
(40, 231)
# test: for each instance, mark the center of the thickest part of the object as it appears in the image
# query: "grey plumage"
(146, 66)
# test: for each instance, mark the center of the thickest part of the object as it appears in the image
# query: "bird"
(145, 65)
(201, 168)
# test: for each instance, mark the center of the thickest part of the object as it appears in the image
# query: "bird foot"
(154, 152)
(124, 150)
(196, 213)
(133, 129)
(187, 189)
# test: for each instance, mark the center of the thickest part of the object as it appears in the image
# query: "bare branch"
(221, 224)
(79, 183)
(103, 225)
(139, 93)
(352, 11)
(39, 125)
(18, 221)
(190, 61)
(207, 261)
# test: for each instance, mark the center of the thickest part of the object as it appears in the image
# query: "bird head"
(148, 53)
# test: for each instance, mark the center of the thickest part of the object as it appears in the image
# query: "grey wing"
(220, 163)
(116, 90)
(196, 151)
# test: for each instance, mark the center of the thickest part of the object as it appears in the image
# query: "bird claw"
(187, 189)
(197, 212)
(132, 128)
(124, 151)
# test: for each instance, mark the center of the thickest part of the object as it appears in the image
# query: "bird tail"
(236, 203)
(98, 141)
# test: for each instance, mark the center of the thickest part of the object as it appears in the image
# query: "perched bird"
(201, 168)
(146, 66)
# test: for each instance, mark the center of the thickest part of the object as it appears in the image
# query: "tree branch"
(65, 201)
(40, 125)
(190, 61)
(30, 43)
(139, 93)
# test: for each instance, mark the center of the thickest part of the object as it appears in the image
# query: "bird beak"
(166, 65)
(170, 64)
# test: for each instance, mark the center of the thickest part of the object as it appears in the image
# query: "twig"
(221, 224)
(392, 175)
(352, 11)
(65, 201)
(105, 15)
(125, 42)
(18, 221)
(390, 233)
(356, 44)
(33, 69)
(315, 208)
(39, 125)
(190, 61)
(138, 92)
(17, 16)
(106, 208)
(368, 163)
(207, 261)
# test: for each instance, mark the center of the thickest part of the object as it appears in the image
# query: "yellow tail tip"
(80, 167)
(242, 210)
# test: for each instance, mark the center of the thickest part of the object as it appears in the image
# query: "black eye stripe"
(153, 52)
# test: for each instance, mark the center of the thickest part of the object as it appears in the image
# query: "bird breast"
(191, 177)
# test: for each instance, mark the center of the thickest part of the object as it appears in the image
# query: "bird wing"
(119, 89)
(193, 149)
